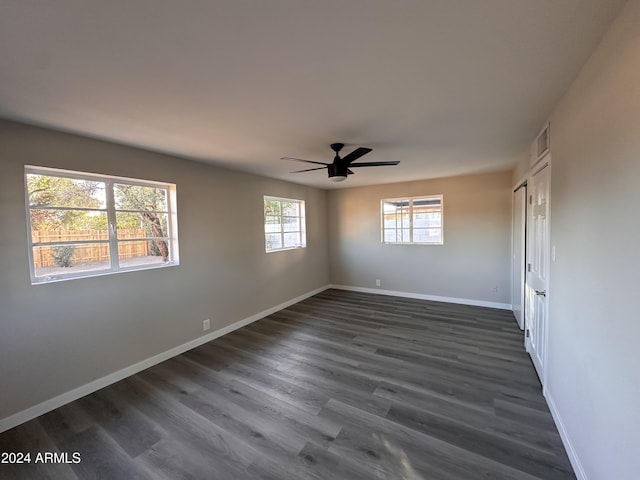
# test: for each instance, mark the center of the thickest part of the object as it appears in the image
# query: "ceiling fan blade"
(356, 154)
(349, 171)
(302, 160)
(309, 170)
(373, 164)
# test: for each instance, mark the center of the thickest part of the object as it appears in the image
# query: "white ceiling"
(445, 86)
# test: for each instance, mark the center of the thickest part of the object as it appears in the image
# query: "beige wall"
(475, 256)
(55, 337)
(593, 361)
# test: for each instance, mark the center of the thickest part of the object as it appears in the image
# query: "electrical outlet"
(378, 282)
(206, 324)
(495, 289)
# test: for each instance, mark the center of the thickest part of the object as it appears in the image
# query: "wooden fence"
(88, 252)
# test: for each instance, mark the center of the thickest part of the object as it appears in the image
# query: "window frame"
(110, 210)
(302, 217)
(410, 200)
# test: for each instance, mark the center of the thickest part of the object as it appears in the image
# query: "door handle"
(541, 292)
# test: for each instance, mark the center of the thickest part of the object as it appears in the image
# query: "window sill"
(284, 249)
(98, 273)
(412, 243)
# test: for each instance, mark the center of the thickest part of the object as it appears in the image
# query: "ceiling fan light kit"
(341, 167)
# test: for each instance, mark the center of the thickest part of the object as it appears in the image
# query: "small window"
(415, 220)
(284, 224)
(83, 224)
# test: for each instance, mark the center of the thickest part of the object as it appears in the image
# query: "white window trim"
(109, 181)
(410, 200)
(303, 224)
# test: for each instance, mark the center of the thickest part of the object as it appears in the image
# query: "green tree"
(48, 191)
(63, 255)
(149, 204)
(272, 208)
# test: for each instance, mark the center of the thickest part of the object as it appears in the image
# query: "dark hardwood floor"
(343, 385)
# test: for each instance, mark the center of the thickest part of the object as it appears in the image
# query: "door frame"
(519, 265)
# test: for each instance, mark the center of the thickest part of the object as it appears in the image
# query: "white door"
(537, 266)
(518, 260)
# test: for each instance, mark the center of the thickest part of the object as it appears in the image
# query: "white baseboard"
(568, 446)
(421, 296)
(67, 397)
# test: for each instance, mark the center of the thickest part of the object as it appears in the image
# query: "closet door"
(537, 267)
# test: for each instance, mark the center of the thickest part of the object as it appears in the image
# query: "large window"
(284, 224)
(415, 220)
(84, 224)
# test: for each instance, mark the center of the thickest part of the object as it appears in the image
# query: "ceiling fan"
(341, 167)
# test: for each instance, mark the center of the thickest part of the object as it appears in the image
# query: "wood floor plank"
(172, 459)
(341, 386)
(485, 420)
(389, 459)
(425, 453)
(133, 432)
(258, 408)
(486, 443)
(184, 425)
(92, 444)
(311, 401)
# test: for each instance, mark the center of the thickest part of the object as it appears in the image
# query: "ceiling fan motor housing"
(337, 169)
